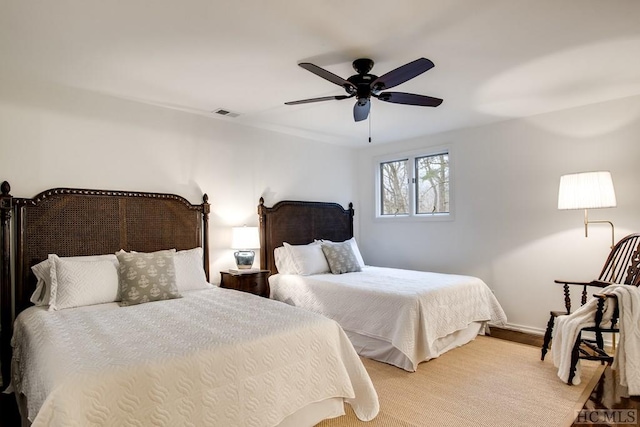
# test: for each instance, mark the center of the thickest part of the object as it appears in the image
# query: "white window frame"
(412, 156)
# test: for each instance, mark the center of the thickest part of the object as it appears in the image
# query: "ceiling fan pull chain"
(369, 127)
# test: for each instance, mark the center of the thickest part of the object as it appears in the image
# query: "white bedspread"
(213, 358)
(409, 309)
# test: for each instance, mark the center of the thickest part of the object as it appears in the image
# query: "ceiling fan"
(364, 85)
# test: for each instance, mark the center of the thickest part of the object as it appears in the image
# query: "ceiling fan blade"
(361, 110)
(409, 99)
(327, 75)
(324, 98)
(402, 74)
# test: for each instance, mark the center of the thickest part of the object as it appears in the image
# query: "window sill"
(415, 218)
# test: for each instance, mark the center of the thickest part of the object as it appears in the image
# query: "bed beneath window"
(187, 353)
(400, 317)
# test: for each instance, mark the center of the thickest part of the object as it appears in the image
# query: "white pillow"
(354, 246)
(190, 271)
(283, 261)
(78, 283)
(42, 271)
(308, 259)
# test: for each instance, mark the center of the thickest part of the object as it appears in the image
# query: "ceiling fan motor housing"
(362, 82)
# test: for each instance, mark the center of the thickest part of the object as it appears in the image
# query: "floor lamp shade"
(244, 239)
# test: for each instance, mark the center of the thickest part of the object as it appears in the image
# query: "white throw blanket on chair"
(627, 357)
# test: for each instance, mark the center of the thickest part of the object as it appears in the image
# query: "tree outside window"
(432, 184)
(395, 187)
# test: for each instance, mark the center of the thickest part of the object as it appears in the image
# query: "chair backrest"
(623, 263)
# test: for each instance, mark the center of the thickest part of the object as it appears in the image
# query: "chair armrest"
(600, 283)
(605, 296)
(583, 300)
(568, 282)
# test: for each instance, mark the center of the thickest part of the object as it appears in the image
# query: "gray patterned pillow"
(341, 258)
(146, 277)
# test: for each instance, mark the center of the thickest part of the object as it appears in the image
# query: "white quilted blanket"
(409, 309)
(627, 356)
(213, 358)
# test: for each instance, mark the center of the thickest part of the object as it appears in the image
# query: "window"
(414, 185)
(432, 184)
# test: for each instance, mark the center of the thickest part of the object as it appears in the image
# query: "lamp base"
(244, 259)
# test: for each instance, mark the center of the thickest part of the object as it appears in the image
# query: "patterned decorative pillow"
(146, 277)
(354, 246)
(341, 258)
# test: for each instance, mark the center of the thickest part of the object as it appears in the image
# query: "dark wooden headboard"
(78, 222)
(299, 223)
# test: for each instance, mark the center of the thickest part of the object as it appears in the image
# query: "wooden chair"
(622, 266)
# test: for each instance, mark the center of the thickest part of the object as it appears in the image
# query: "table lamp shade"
(245, 238)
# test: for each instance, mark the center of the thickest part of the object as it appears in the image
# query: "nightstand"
(255, 282)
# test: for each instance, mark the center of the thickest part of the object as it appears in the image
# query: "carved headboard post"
(351, 214)
(263, 237)
(19, 263)
(6, 306)
(206, 208)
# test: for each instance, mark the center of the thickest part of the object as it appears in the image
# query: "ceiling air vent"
(226, 113)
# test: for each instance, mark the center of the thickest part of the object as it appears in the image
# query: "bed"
(189, 354)
(400, 317)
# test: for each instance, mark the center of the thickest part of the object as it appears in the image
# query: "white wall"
(61, 137)
(507, 229)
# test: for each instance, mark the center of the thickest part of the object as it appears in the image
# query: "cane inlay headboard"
(299, 223)
(77, 222)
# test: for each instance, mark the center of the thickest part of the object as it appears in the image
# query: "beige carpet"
(488, 382)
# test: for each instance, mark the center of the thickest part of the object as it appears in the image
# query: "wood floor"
(606, 394)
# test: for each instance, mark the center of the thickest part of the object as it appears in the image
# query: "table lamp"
(245, 239)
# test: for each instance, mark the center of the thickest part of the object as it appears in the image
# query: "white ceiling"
(494, 59)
